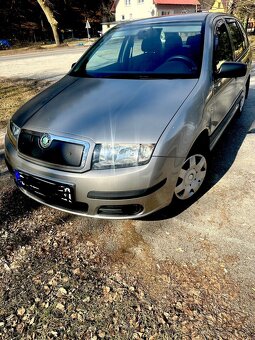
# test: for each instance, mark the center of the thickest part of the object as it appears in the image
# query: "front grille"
(54, 193)
(59, 152)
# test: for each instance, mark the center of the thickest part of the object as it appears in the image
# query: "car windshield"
(169, 50)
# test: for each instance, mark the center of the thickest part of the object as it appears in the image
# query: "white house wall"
(175, 9)
(138, 10)
(135, 10)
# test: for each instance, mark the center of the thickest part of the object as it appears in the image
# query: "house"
(220, 6)
(126, 10)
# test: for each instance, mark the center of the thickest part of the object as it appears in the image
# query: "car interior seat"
(152, 51)
(173, 45)
(194, 43)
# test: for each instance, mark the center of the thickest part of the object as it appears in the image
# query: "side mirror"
(231, 70)
(73, 65)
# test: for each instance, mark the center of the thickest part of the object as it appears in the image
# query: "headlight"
(111, 156)
(15, 131)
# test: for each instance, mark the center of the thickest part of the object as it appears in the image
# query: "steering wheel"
(188, 61)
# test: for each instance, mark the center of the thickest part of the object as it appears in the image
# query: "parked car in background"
(4, 44)
(251, 27)
(131, 126)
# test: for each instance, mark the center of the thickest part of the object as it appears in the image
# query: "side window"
(137, 47)
(237, 37)
(107, 54)
(222, 46)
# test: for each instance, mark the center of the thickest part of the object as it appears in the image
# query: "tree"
(206, 4)
(244, 9)
(48, 11)
(23, 21)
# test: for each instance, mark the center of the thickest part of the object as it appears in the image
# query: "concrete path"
(43, 65)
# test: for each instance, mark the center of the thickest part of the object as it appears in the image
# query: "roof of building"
(176, 2)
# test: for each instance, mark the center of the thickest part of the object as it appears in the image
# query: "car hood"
(103, 110)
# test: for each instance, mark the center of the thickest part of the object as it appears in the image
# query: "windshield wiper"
(142, 76)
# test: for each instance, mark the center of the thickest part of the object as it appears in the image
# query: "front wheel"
(191, 176)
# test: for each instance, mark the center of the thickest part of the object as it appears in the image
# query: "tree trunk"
(50, 17)
(246, 22)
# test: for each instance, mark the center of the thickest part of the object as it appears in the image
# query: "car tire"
(192, 174)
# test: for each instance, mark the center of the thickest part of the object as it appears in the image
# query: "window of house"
(222, 46)
(123, 17)
(140, 1)
(237, 38)
(127, 2)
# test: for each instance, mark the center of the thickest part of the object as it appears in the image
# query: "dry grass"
(14, 93)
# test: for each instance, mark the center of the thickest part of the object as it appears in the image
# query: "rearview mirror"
(73, 65)
(231, 70)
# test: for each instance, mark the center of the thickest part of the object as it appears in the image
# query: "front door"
(224, 90)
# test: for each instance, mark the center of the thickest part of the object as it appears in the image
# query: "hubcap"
(191, 176)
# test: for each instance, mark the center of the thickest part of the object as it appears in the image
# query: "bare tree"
(245, 9)
(48, 11)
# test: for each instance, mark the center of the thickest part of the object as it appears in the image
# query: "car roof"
(193, 17)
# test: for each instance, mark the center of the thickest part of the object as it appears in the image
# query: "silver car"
(130, 127)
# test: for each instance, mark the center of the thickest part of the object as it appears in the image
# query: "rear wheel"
(192, 175)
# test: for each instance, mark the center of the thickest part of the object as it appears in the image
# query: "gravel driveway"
(193, 267)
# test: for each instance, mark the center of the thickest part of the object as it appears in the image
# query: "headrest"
(152, 43)
(194, 39)
(173, 40)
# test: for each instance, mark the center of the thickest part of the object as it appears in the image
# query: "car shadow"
(221, 158)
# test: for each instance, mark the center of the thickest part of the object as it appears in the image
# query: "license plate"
(49, 191)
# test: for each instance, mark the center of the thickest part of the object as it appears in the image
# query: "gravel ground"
(183, 273)
(71, 278)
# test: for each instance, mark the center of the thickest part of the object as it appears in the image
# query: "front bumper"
(116, 194)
